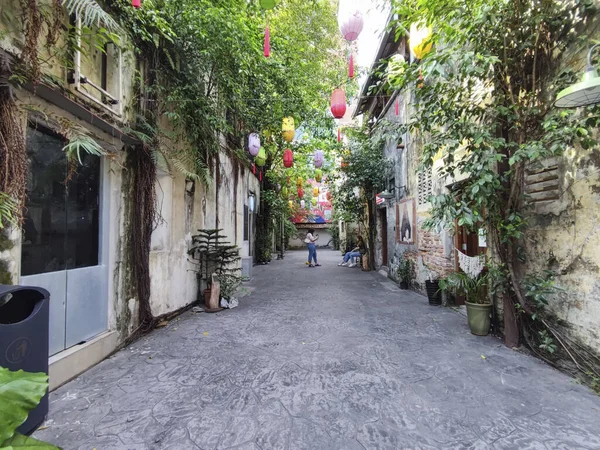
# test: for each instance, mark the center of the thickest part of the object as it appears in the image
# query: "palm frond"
(91, 13)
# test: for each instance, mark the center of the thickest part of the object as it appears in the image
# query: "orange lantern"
(288, 129)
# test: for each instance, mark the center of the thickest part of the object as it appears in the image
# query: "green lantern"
(314, 201)
(261, 158)
(267, 4)
(284, 191)
(318, 175)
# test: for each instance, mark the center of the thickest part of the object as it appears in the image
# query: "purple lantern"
(254, 144)
(352, 25)
(319, 159)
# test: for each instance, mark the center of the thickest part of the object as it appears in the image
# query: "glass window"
(60, 230)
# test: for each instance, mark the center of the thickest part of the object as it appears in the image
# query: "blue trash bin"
(24, 317)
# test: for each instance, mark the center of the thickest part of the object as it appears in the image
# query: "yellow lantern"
(315, 192)
(299, 182)
(288, 129)
(420, 40)
(290, 203)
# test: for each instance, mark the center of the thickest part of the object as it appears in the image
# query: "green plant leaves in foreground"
(20, 442)
(20, 392)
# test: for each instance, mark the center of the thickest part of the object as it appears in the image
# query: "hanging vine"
(13, 155)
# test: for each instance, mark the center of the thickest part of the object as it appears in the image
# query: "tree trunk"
(511, 327)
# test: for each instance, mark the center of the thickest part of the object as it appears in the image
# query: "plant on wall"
(213, 254)
(483, 103)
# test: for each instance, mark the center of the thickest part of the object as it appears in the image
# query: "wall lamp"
(586, 92)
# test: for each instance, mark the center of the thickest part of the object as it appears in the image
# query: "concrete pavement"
(322, 358)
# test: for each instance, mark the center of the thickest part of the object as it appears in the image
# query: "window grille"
(425, 186)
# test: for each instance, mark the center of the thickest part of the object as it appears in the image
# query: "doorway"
(384, 236)
(471, 244)
(62, 239)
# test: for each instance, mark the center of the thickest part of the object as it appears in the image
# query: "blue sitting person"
(356, 252)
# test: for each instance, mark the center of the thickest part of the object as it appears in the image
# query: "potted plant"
(479, 308)
(214, 257)
(404, 272)
(229, 285)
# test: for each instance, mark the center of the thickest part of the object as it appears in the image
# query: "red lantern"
(300, 192)
(339, 134)
(351, 68)
(288, 158)
(267, 42)
(136, 3)
(338, 103)
(397, 106)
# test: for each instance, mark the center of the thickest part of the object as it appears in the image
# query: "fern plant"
(91, 14)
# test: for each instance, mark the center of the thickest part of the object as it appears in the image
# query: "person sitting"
(356, 252)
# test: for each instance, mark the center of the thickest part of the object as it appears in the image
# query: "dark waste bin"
(24, 317)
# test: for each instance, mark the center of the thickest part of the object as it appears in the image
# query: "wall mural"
(406, 221)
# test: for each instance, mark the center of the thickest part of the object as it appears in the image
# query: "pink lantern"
(351, 67)
(338, 103)
(267, 46)
(136, 3)
(254, 144)
(352, 25)
(319, 159)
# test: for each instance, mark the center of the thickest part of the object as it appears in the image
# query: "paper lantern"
(261, 157)
(339, 134)
(319, 159)
(351, 67)
(420, 40)
(302, 204)
(352, 25)
(290, 203)
(284, 191)
(267, 4)
(299, 182)
(260, 176)
(254, 144)
(315, 192)
(338, 103)
(318, 175)
(314, 201)
(300, 192)
(288, 158)
(288, 129)
(136, 3)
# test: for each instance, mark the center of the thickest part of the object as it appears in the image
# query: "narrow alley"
(322, 358)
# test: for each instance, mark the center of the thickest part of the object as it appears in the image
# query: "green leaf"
(21, 442)
(20, 392)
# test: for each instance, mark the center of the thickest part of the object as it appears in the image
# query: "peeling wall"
(564, 236)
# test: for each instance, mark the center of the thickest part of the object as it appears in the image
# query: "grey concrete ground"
(324, 358)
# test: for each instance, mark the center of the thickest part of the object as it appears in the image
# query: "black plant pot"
(433, 292)
(403, 285)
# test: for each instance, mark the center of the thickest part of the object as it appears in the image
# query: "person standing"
(310, 240)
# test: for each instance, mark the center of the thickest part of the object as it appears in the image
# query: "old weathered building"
(77, 235)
